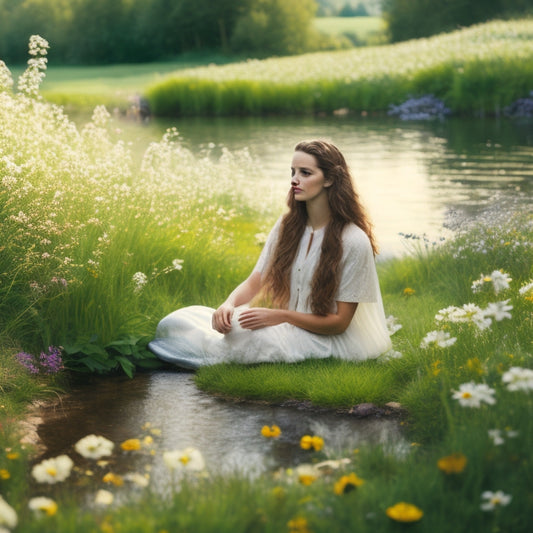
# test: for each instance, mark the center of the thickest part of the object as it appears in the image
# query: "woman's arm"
(331, 324)
(241, 295)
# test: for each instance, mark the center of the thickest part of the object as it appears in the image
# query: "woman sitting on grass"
(314, 292)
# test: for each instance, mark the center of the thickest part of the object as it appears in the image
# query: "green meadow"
(97, 244)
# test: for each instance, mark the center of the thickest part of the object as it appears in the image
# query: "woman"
(316, 271)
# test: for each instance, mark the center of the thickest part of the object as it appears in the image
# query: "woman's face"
(308, 182)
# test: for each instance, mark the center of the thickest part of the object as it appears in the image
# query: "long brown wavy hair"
(345, 207)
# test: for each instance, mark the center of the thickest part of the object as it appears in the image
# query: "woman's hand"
(260, 317)
(221, 320)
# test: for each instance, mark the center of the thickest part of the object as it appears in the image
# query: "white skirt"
(187, 339)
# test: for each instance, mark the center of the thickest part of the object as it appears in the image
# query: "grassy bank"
(97, 245)
(476, 70)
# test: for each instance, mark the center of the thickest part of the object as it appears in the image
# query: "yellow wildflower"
(475, 366)
(347, 483)
(4, 474)
(408, 291)
(298, 525)
(307, 442)
(273, 431)
(131, 445)
(404, 512)
(452, 464)
(12, 455)
(114, 479)
(436, 367)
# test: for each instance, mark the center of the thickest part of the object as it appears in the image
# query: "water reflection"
(227, 433)
(409, 174)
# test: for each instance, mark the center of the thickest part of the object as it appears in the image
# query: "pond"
(411, 175)
(169, 407)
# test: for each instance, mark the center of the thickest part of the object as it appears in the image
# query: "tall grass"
(475, 70)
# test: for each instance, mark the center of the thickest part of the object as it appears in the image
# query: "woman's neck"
(319, 215)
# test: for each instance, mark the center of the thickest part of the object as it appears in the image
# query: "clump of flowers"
(392, 325)
(53, 470)
(272, 431)
(140, 279)
(497, 435)
(49, 362)
(441, 339)
(347, 483)
(408, 291)
(452, 464)
(307, 442)
(518, 379)
(493, 500)
(500, 281)
(104, 497)
(94, 447)
(298, 525)
(404, 512)
(474, 394)
(307, 474)
(527, 291)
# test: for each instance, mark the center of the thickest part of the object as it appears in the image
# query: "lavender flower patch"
(523, 107)
(46, 363)
(423, 108)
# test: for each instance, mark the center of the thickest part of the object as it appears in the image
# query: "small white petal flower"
(474, 394)
(104, 497)
(43, 506)
(8, 515)
(392, 325)
(498, 310)
(177, 264)
(494, 500)
(496, 436)
(391, 354)
(500, 280)
(188, 459)
(94, 447)
(53, 470)
(525, 289)
(517, 378)
(441, 339)
(140, 279)
(137, 479)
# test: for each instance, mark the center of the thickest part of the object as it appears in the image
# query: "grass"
(89, 238)
(465, 68)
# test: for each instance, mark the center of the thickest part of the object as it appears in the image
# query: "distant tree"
(408, 19)
(348, 10)
(278, 27)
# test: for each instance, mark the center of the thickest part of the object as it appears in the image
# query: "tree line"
(113, 31)
(412, 19)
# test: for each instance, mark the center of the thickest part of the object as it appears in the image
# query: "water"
(227, 433)
(409, 175)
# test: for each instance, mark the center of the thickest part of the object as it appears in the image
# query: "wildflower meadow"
(98, 242)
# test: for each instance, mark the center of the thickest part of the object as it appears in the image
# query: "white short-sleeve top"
(367, 333)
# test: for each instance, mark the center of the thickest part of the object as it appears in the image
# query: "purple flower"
(49, 363)
(28, 361)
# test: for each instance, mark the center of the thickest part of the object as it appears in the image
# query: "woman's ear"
(328, 183)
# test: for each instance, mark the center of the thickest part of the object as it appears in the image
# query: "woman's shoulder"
(355, 236)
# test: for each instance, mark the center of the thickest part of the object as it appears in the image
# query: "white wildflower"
(442, 339)
(177, 264)
(8, 515)
(43, 506)
(391, 354)
(139, 280)
(494, 500)
(498, 310)
(518, 379)
(100, 116)
(104, 497)
(94, 447)
(474, 394)
(392, 325)
(53, 470)
(6, 79)
(187, 459)
(500, 280)
(496, 436)
(137, 479)
(526, 288)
